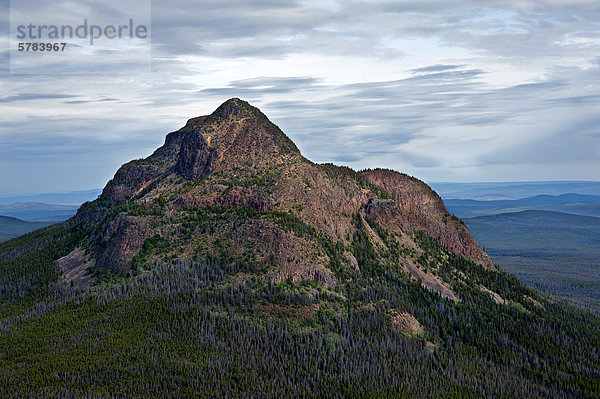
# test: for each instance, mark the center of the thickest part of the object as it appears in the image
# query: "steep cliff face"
(417, 207)
(232, 185)
(195, 157)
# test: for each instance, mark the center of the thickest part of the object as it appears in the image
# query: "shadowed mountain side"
(11, 227)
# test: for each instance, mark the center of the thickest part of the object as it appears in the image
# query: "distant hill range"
(69, 198)
(579, 204)
(38, 212)
(555, 252)
(12, 227)
(24, 213)
(513, 190)
(558, 230)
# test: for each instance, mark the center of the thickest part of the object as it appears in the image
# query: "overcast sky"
(442, 90)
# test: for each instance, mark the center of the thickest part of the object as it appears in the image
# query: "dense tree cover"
(28, 265)
(556, 253)
(152, 245)
(188, 329)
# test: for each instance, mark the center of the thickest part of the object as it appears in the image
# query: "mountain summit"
(267, 205)
(235, 135)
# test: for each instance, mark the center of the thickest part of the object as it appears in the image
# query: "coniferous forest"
(186, 329)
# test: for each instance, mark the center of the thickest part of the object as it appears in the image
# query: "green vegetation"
(28, 266)
(189, 328)
(556, 253)
(236, 177)
(11, 227)
(153, 245)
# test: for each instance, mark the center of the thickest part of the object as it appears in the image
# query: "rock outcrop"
(404, 322)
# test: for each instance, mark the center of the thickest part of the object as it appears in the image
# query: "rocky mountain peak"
(234, 107)
(234, 180)
(242, 135)
(225, 257)
(235, 135)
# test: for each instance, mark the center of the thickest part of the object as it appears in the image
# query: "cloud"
(437, 68)
(263, 86)
(449, 123)
(34, 96)
(91, 101)
(442, 90)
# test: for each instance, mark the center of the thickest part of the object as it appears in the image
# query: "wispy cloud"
(34, 96)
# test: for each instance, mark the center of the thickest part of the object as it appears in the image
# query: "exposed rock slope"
(232, 185)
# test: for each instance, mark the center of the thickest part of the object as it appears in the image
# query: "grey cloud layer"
(441, 117)
(504, 28)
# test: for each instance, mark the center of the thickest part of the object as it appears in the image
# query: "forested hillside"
(556, 253)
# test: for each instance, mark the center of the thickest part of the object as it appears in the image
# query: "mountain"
(579, 204)
(227, 264)
(237, 168)
(12, 227)
(557, 253)
(38, 212)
